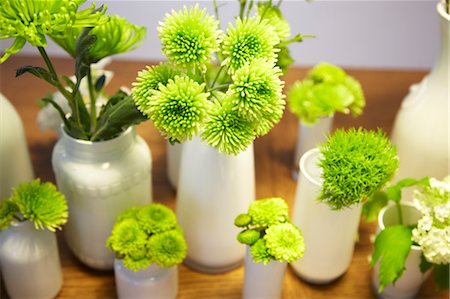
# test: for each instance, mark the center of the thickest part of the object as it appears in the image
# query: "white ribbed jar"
(29, 260)
(100, 180)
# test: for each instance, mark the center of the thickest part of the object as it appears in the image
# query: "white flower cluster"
(433, 229)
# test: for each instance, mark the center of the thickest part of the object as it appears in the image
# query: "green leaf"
(392, 246)
(394, 192)
(441, 276)
(83, 45)
(373, 205)
(38, 72)
(100, 82)
(424, 264)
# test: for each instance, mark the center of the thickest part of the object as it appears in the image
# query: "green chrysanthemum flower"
(148, 81)
(256, 91)
(127, 237)
(275, 19)
(285, 242)
(259, 252)
(7, 211)
(269, 211)
(30, 21)
(248, 236)
(179, 108)
(189, 37)
(355, 164)
(130, 213)
(42, 204)
(226, 130)
(328, 73)
(242, 220)
(156, 218)
(137, 259)
(167, 249)
(251, 38)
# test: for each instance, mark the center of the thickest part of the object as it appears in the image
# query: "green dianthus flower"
(259, 252)
(285, 242)
(7, 211)
(156, 218)
(249, 39)
(167, 249)
(42, 204)
(179, 108)
(127, 237)
(269, 211)
(248, 236)
(275, 19)
(189, 37)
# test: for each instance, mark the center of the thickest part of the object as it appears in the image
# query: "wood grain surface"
(384, 90)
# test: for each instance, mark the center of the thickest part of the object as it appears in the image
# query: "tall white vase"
(173, 163)
(153, 282)
(213, 188)
(29, 260)
(421, 126)
(263, 281)
(15, 163)
(329, 235)
(408, 285)
(100, 180)
(308, 137)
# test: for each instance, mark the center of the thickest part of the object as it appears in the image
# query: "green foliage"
(392, 247)
(441, 276)
(7, 211)
(355, 164)
(373, 205)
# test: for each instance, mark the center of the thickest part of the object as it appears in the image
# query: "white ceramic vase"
(421, 126)
(308, 137)
(153, 282)
(408, 285)
(329, 235)
(262, 281)
(100, 180)
(15, 163)
(213, 189)
(29, 260)
(173, 163)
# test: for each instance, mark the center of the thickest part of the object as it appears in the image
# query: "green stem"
(217, 76)
(399, 212)
(279, 3)
(218, 87)
(269, 5)
(249, 9)
(48, 62)
(216, 11)
(242, 8)
(93, 100)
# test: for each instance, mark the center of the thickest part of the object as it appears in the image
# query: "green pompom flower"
(30, 21)
(226, 130)
(189, 37)
(167, 249)
(274, 17)
(148, 81)
(269, 211)
(156, 218)
(179, 108)
(248, 236)
(42, 204)
(259, 252)
(285, 242)
(249, 39)
(242, 220)
(137, 259)
(127, 237)
(355, 164)
(327, 73)
(130, 213)
(7, 211)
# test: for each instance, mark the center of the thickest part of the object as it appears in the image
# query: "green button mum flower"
(259, 252)
(127, 237)
(189, 37)
(285, 242)
(269, 211)
(250, 39)
(179, 108)
(156, 218)
(137, 259)
(30, 20)
(167, 249)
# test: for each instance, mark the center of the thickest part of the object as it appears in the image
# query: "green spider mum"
(189, 37)
(256, 91)
(275, 19)
(249, 236)
(156, 218)
(284, 242)
(260, 253)
(249, 39)
(127, 237)
(148, 81)
(7, 211)
(226, 130)
(167, 249)
(355, 164)
(30, 21)
(268, 211)
(137, 259)
(179, 108)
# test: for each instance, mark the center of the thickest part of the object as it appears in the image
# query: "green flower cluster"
(228, 102)
(326, 90)
(269, 233)
(355, 164)
(148, 234)
(38, 202)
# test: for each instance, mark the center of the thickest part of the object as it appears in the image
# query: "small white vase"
(262, 281)
(29, 260)
(152, 282)
(329, 235)
(421, 126)
(15, 163)
(308, 137)
(100, 180)
(408, 285)
(173, 163)
(213, 189)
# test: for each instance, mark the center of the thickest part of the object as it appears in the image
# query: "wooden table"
(273, 153)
